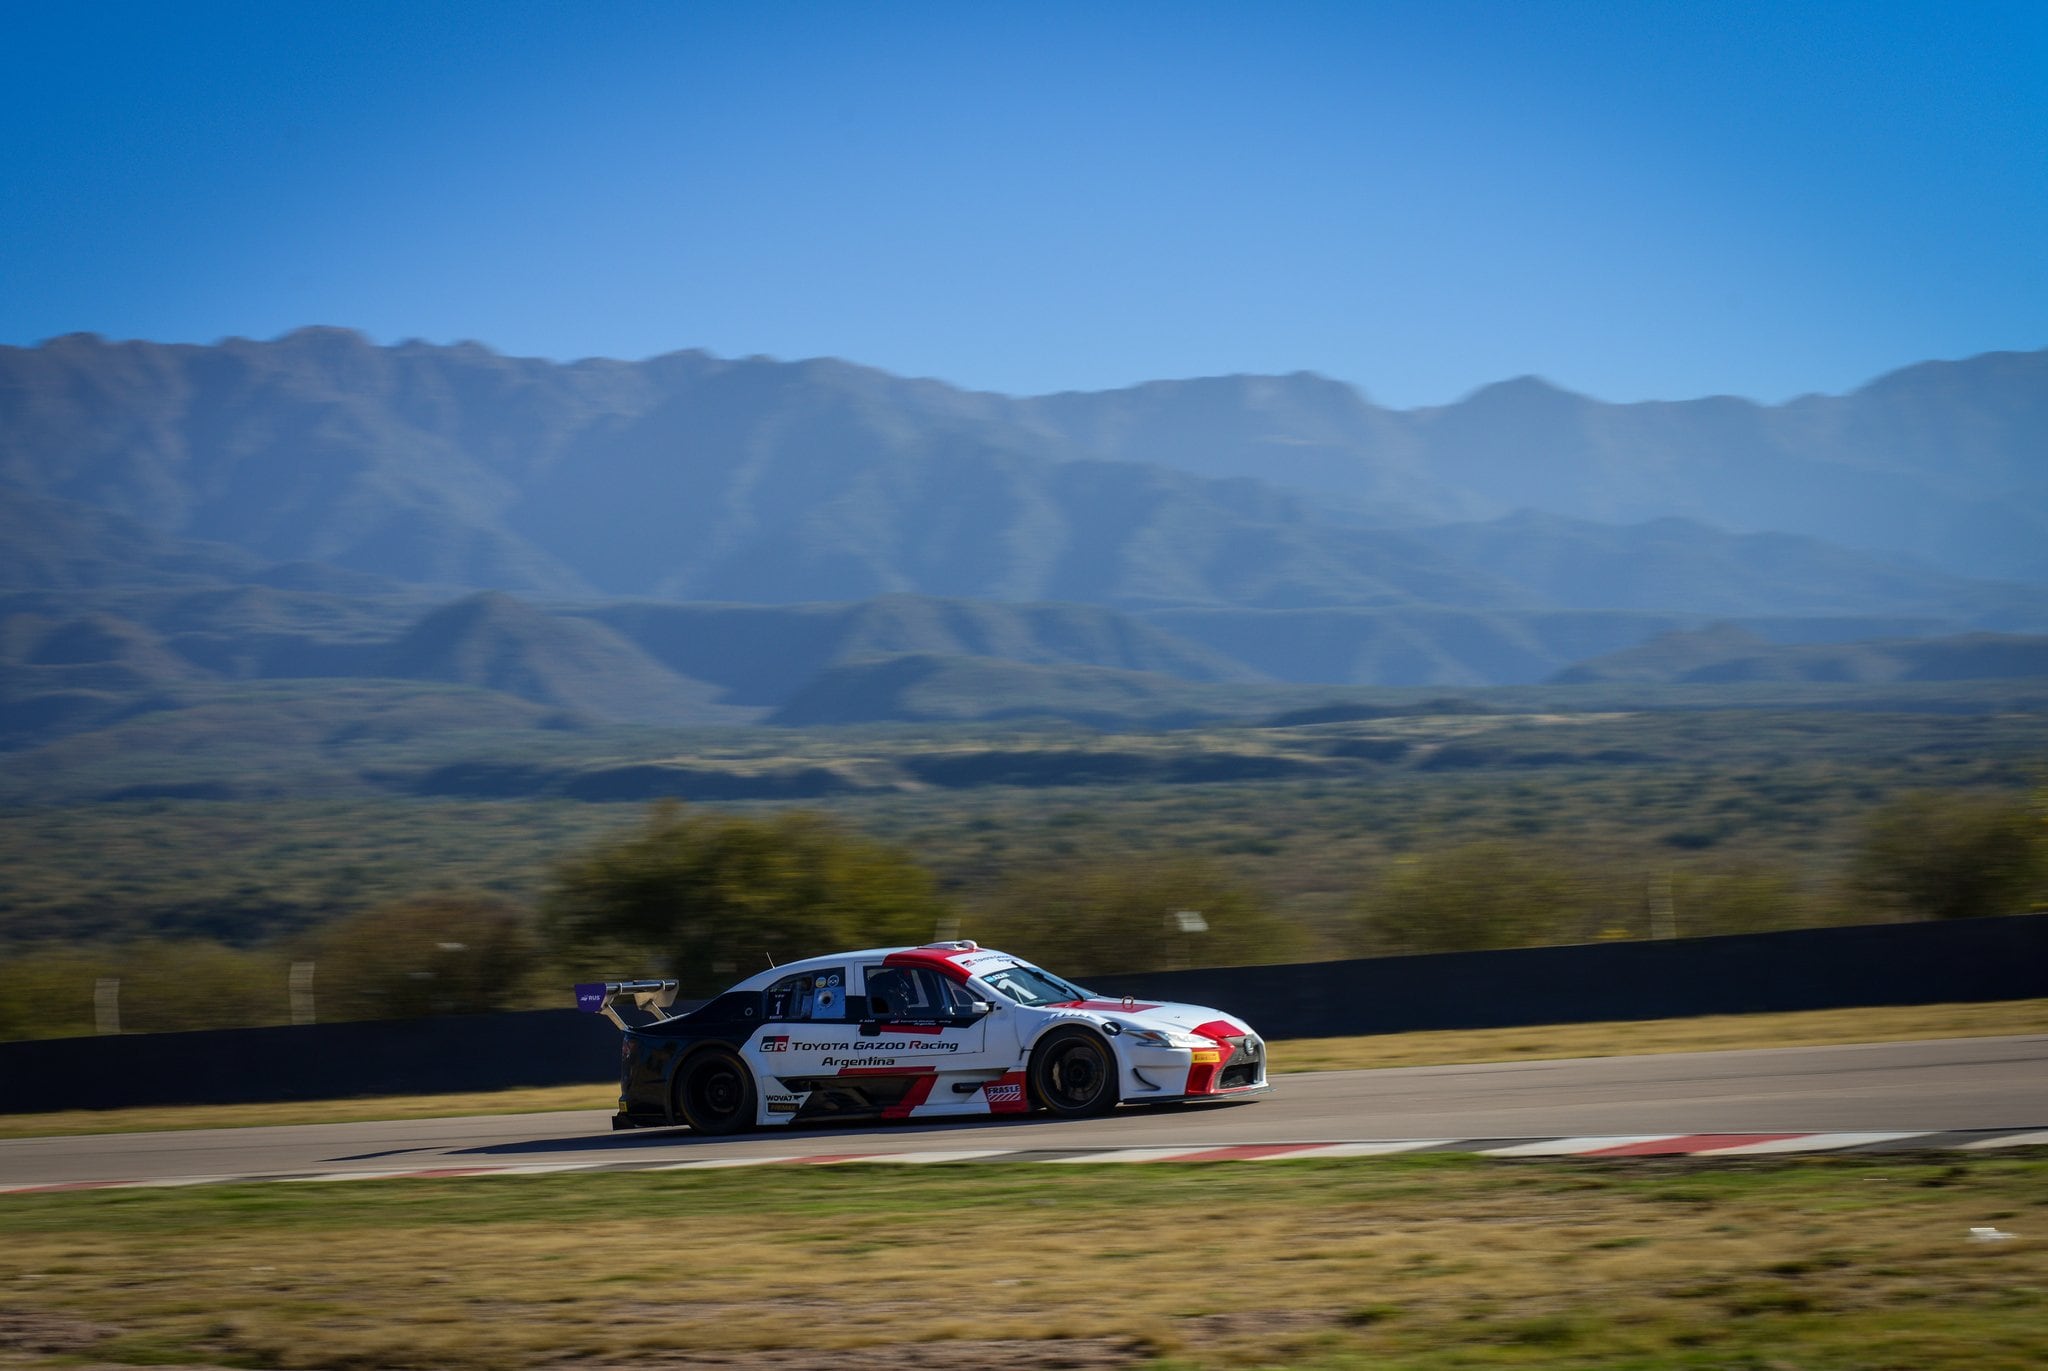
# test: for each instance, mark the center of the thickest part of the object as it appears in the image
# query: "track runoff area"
(1970, 1095)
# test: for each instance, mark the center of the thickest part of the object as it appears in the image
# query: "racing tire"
(715, 1093)
(1073, 1074)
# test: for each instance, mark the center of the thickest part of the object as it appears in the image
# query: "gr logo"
(775, 1044)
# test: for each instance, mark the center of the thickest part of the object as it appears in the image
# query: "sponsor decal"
(787, 1104)
(786, 1043)
(1003, 1092)
(590, 997)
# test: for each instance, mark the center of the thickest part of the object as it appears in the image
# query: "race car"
(945, 1030)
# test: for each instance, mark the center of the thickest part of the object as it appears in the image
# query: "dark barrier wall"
(1817, 968)
(319, 1061)
(1829, 968)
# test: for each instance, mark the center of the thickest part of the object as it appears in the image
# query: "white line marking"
(1811, 1142)
(1133, 1154)
(1541, 1147)
(1361, 1149)
(1572, 1147)
(924, 1158)
(2015, 1140)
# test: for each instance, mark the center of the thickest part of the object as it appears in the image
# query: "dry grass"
(1709, 1033)
(1419, 1263)
(170, 1117)
(1714, 1033)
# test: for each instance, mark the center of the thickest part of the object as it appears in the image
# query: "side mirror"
(980, 1008)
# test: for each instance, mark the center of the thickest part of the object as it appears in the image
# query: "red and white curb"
(1707, 1145)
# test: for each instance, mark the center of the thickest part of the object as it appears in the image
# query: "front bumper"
(1235, 1066)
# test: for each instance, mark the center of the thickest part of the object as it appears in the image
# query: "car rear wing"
(652, 998)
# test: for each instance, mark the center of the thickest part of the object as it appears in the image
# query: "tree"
(1742, 897)
(1480, 895)
(47, 992)
(1113, 914)
(1950, 856)
(707, 893)
(175, 986)
(437, 954)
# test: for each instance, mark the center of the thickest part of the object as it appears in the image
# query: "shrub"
(1477, 896)
(1949, 856)
(706, 893)
(436, 954)
(1101, 914)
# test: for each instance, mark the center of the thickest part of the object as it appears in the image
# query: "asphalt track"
(1947, 1084)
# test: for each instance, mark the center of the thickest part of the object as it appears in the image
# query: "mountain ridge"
(692, 476)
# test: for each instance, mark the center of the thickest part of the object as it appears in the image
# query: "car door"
(807, 1034)
(921, 1024)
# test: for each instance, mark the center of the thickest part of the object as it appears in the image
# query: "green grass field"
(1411, 1264)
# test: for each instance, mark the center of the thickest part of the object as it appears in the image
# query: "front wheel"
(715, 1093)
(1073, 1074)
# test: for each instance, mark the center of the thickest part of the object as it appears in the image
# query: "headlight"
(1153, 1037)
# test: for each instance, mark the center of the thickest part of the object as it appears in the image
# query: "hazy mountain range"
(696, 539)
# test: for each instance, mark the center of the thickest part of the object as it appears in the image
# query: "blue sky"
(1635, 200)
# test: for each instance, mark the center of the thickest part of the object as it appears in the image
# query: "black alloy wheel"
(715, 1093)
(1073, 1074)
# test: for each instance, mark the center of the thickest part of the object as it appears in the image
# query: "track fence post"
(301, 986)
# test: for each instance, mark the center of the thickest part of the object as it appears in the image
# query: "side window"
(911, 992)
(809, 995)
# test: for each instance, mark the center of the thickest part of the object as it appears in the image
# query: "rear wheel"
(715, 1092)
(1073, 1074)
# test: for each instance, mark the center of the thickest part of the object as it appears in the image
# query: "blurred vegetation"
(440, 954)
(48, 991)
(1477, 896)
(1934, 856)
(1387, 832)
(705, 893)
(1100, 913)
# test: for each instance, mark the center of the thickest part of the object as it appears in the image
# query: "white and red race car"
(944, 1030)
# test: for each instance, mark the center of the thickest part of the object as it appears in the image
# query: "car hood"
(1164, 1015)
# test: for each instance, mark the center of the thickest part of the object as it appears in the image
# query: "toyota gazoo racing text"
(912, 1032)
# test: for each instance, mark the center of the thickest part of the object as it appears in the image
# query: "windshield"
(1027, 985)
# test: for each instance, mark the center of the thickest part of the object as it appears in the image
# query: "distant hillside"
(761, 654)
(49, 544)
(73, 661)
(1726, 654)
(686, 478)
(689, 477)
(926, 688)
(498, 643)
(78, 660)
(1666, 563)
(690, 540)
(1943, 460)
